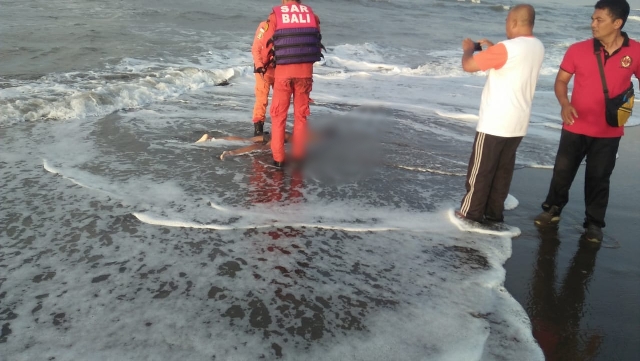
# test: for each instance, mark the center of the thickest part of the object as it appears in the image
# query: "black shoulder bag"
(617, 109)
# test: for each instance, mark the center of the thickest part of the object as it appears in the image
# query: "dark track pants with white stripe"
(489, 177)
(601, 159)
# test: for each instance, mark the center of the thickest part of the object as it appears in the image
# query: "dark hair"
(619, 9)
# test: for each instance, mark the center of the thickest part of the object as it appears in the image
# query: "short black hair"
(619, 9)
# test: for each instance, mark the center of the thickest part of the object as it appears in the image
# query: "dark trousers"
(489, 177)
(601, 159)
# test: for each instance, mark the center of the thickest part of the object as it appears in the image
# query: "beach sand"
(83, 268)
(583, 303)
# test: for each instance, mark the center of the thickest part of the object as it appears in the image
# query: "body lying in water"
(261, 142)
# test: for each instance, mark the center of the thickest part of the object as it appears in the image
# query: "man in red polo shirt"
(585, 130)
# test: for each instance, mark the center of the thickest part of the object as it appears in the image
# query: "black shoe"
(469, 221)
(266, 138)
(495, 224)
(491, 219)
(548, 217)
(278, 164)
(593, 233)
(258, 128)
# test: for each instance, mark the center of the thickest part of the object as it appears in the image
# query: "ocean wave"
(366, 52)
(458, 115)
(634, 18)
(358, 57)
(499, 7)
(443, 63)
(444, 69)
(80, 95)
(178, 223)
(367, 57)
(539, 166)
(553, 125)
(431, 170)
(549, 70)
(356, 65)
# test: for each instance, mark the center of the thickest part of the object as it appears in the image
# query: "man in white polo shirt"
(512, 69)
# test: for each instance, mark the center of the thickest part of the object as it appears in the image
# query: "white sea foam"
(358, 58)
(541, 166)
(143, 190)
(465, 226)
(461, 116)
(356, 65)
(430, 170)
(366, 52)
(511, 203)
(175, 282)
(633, 17)
(158, 221)
(97, 97)
(553, 125)
(49, 168)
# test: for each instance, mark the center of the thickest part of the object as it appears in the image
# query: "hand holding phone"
(477, 47)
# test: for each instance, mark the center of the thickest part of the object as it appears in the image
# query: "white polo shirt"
(513, 68)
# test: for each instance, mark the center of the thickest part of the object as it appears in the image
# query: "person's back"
(295, 38)
(508, 93)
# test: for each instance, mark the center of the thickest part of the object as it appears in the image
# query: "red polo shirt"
(588, 95)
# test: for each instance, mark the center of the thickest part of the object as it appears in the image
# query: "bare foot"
(224, 154)
(204, 138)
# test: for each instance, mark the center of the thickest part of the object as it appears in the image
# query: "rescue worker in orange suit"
(264, 73)
(294, 38)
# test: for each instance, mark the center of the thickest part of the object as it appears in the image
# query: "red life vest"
(297, 37)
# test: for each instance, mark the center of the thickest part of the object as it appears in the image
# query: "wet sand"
(583, 303)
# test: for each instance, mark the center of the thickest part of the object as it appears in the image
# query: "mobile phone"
(477, 47)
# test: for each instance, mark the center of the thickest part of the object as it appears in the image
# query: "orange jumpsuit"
(260, 55)
(290, 79)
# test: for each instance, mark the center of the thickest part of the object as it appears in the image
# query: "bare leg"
(238, 138)
(206, 137)
(247, 149)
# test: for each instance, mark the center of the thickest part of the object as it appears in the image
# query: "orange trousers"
(262, 95)
(283, 89)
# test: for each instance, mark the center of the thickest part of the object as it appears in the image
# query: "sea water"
(120, 239)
